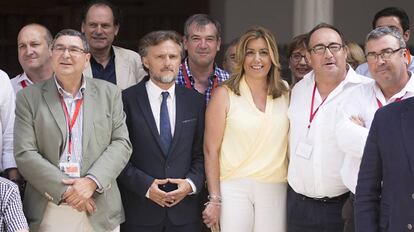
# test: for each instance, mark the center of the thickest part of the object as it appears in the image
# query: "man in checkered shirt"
(202, 42)
(11, 212)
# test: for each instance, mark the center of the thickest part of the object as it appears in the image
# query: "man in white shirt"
(33, 48)
(392, 17)
(317, 193)
(161, 182)
(386, 56)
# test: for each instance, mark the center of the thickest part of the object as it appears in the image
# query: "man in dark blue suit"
(160, 184)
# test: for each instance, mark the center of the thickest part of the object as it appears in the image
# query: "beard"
(165, 79)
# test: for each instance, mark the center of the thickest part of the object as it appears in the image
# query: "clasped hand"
(169, 199)
(79, 194)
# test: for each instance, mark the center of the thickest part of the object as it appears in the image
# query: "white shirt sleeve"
(7, 107)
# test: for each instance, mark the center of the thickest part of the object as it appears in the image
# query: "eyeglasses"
(297, 57)
(321, 49)
(385, 54)
(73, 51)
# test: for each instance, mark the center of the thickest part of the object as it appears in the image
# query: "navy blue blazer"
(385, 189)
(184, 160)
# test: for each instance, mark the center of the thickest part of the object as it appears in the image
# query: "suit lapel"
(121, 70)
(179, 115)
(87, 72)
(143, 103)
(89, 100)
(51, 97)
(407, 128)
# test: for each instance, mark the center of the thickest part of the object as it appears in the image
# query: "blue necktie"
(165, 126)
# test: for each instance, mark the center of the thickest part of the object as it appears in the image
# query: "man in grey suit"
(117, 65)
(71, 142)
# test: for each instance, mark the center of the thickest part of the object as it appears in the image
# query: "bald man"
(33, 43)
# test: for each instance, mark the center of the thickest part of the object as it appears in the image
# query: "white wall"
(352, 17)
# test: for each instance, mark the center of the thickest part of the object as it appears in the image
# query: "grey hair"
(71, 32)
(380, 32)
(201, 20)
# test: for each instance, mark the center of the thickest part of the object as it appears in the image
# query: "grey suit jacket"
(40, 137)
(128, 68)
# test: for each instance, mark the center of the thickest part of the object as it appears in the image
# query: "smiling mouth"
(257, 67)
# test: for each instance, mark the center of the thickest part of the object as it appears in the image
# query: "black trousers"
(306, 214)
(348, 214)
(164, 226)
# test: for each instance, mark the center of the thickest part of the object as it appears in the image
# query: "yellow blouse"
(255, 142)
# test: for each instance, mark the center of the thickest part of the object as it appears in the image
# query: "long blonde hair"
(275, 85)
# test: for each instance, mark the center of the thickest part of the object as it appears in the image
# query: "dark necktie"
(165, 126)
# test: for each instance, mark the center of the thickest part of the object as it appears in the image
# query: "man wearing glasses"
(71, 142)
(398, 19)
(384, 191)
(386, 54)
(317, 193)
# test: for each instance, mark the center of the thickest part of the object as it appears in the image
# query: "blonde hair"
(275, 85)
(356, 55)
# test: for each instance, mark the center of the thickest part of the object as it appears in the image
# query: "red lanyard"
(313, 113)
(188, 82)
(408, 56)
(396, 100)
(23, 83)
(71, 120)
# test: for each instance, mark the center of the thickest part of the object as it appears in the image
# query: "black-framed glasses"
(320, 49)
(297, 57)
(385, 54)
(75, 51)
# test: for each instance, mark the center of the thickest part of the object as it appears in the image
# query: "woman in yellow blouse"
(245, 142)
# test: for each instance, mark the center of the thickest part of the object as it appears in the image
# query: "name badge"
(304, 149)
(70, 168)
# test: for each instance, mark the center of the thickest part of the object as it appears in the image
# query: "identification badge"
(304, 149)
(70, 168)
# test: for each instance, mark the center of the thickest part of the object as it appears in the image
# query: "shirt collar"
(24, 77)
(65, 94)
(111, 59)
(351, 77)
(408, 88)
(154, 92)
(187, 69)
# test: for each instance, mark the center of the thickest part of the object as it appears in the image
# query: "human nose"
(203, 43)
(303, 60)
(98, 29)
(328, 52)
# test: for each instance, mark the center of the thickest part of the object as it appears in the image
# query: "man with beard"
(161, 181)
(202, 39)
(117, 65)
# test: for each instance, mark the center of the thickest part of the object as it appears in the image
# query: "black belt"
(336, 199)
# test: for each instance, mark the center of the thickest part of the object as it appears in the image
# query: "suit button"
(412, 196)
(409, 227)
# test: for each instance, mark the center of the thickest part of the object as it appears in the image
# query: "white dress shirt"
(7, 106)
(362, 102)
(155, 100)
(315, 157)
(17, 82)
(362, 69)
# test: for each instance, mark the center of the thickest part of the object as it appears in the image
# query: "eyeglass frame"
(72, 50)
(299, 59)
(329, 46)
(383, 52)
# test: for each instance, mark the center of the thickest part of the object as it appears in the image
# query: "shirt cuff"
(193, 187)
(100, 188)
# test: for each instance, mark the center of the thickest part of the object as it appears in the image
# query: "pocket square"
(189, 120)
